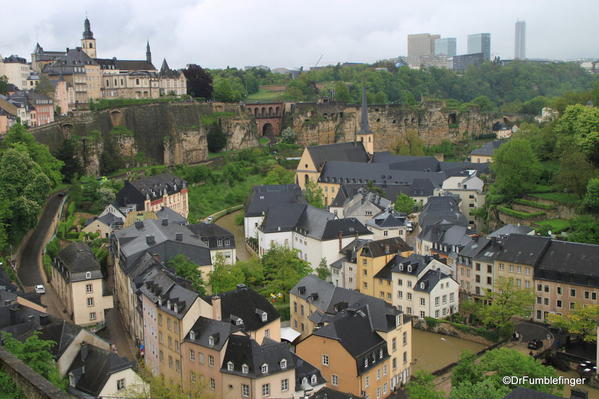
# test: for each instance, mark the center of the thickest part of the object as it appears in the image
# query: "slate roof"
(19, 320)
(245, 303)
(126, 65)
(66, 63)
(525, 393)
(523, 249)
(344, 227)
(489, 148)
(314, 222)
(388, 218)
(171, 293)
(151, 187)
(205, 328)
(267, 196)
(61, 332)
(340, 172)
(98, 365)
(303, 369)
(354, 331)
(172, 216)
(430, 280)
(510, 229)
(570, 262)
(351, 152)
(244, 350)
(416, 262)
(350, 251)
(166, 71)
(447, 234)
(109, 219)
(374, 249)
(330, 300)
(443, 208)
(77, 259)
(212, 233)
(283, 217)
(418, 188)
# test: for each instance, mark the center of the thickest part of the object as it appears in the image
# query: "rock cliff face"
(164, 133)
(330, 123)
(173, 133)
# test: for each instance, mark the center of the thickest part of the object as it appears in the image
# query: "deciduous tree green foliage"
(229, 90)
(404, 203)
(322, 271)
(466, 370)
(92, 195)
(217, 139)
(288, 135)
(485, 103)
(584, 229)
(72, 167)
(185, 268)
(422, 386)
(45, 87)
(224, 277)
(158, 387)
(35, 353)
(8, 388)
(3, 84)
(582, 321)
(199, 81)
(591, 198)
(282, 270)
(579, 127)
(342, 93)
(279, 175)
(314, 195)
(412, 144)
(516, 168)
(505, 302)
(486, 389)
(575, 171)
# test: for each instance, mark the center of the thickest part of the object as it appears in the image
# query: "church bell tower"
(88, 43)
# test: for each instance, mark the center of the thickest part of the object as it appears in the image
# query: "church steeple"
(365, 135)
(148, 52)
(88, 43)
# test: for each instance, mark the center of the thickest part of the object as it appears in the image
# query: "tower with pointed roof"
(88, 43)
(365, 134)
(148, 53)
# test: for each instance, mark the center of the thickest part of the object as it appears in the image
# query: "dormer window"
(422, 286)
(304, 381)
(380, 354)
(230, 366)
(283, 364)
(211, 341)
(264, 368)
(239, 322)
(88, 275)
(245, 369)
(264, 316)
(401, 268)
(313, 380)
(409, 268)
(366, 362)
(192, 335)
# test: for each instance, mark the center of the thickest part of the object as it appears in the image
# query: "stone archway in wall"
(116, 117)
(268, 130)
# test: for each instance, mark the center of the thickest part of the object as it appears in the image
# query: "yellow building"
(77, 279)
(372, 258)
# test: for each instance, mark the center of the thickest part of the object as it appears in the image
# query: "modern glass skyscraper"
(445, 46)
(520, 44)
(480, 43)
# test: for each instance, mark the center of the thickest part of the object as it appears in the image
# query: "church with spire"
(105, 78)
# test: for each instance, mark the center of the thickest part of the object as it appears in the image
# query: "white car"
(40, 289)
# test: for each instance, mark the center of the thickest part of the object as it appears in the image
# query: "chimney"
(216, 308)
(84, 351)
(340, 241)
(150, 240)
(179, 236)
(139, 225)
(165, 222)
(44, 320)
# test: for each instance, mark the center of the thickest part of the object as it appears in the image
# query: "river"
(434, 351)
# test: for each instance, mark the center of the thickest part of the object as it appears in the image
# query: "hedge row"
(534, 204)
(519, 214)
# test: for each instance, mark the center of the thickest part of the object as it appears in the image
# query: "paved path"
(30, 268)
(228, 222)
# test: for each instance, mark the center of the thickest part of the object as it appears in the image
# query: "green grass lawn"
(562, 198)
(264, 95)
(555, 225)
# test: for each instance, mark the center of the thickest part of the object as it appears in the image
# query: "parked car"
(40, 289)
(535, 344)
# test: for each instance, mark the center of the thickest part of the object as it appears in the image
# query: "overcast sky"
(217, 33)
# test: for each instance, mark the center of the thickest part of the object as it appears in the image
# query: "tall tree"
(185, 268)
(199, 81)
(322, 271)
(582, 321)
(584, 228)
(422, 386)
(3, 84)
(283, 269)
(505, 302)
(486, 389)
(342, 93)
(575, 172)
(591, 198)
(224, 277)
(516, 168)
(404, 203)
(314, 195)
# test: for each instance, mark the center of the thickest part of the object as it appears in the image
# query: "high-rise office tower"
(480, 43)
(422, 44)
(520, 44)
(445, 46)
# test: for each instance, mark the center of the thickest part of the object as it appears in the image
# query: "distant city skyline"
(520, 40)
(221, 33)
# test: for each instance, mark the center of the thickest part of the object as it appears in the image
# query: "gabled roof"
(246, 304)
(489, 148)
(572, 262)
(347, 172)
(511, 229)
(151, 187)
(443, 208)
(94, 366)
(77, 258)
(328, 393)
(212, 234)
(304, 370)
(267, 196)
(354, 331)
(413, 264)
(126, 65)
(283, 217)
(374, 249)
(523, 249)
(243, 350)
(350, 152)
(429, 281)
(173, 217)
(62, 333)
(205, 328)
(171, 293)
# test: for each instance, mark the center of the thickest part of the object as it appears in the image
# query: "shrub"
(533, 204)
(519, 214)
(239, 218)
